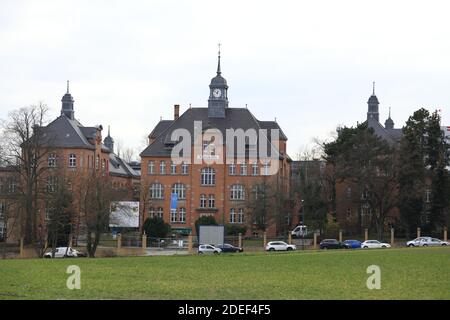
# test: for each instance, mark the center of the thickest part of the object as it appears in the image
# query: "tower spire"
(389, 112)
(373, 89)
(218, 64)
(108, 131)
(67, 86)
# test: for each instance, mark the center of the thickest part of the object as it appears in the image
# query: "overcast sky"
(309, 64)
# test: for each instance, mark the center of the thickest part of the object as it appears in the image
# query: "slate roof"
(235, 118)
(67, 133)
(118, 167)
(392, 136)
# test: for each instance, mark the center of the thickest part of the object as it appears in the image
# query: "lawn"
(409, 273)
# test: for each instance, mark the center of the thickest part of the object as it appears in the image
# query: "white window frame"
(151, 167)
(203, 200)
(180, 189)
(237, 192)
(173, 168)
(232, 215)
(241, 215)
(72, 160)
(162, 167)
(211, 201)
(208, 176)
(160, 212)
(243, 169)
(255, 169)
(184, 168)
(182, 215)
(52, 160)
(173, 216)
(232, 169)
(156, 191)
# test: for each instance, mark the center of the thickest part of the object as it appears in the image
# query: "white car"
(280, 246)
(208, 248)
(432, 242)
(416, 241)
(374, 244)
(64, 252)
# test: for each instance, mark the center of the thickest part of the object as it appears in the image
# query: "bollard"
(392, 236)
(240, 240)
(190, 243)
(315, 240)
(144, 242)
(418, 232)
(445, 233)
(264, 240)
(21, 248)
(366, 234)
(119, 243)
(290, 238)
(340, 235)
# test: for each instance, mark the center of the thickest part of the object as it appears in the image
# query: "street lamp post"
(303, 224)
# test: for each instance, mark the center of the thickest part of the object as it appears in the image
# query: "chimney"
(176, 111)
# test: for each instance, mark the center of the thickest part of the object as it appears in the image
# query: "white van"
(299, 231)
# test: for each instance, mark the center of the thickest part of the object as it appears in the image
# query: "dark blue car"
(353, 244)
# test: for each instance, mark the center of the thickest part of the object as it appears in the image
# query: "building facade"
(210, 180)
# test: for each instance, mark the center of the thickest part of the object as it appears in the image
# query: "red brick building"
(210, 180)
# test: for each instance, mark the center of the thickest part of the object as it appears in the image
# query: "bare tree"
(26, 144)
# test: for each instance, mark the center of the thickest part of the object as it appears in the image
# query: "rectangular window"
(2, 210)
(72, 160)
(173, 215)
(173, 168)
(232, 216)
(162, 167)
(243, 169)
(232, 169)
(241, 216)
(160, 213)
(11, 185)
(151, 167)
(255, 169)
(427, 195)
(52, 160)
(182, 215)
(202, 201)
(212, 201)
(184, 168)
(265, 169)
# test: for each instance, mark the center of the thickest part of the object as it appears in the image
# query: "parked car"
(432, 242)
(353, 244)
(416, 241)
(333, 244)
(226, 247)
(280, 246)
(299, 231)
(65, 252)
(370, 244)
(208, 248)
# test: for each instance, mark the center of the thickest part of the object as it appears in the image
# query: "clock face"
(217, 93)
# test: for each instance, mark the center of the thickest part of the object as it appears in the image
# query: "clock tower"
(218, 94)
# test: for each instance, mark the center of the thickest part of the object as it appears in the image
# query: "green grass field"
(409, 273)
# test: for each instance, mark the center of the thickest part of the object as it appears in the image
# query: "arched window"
(237, 192)
(208, 177)
(179, 189)
(156, 191)
(202, 201)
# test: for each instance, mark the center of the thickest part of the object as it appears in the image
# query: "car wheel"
(47, 257)
(365, 247)
(216, 252)
(444, 244)
(200, 252)
(289, 249)
(410, 245)
(383, 246)
(425, 245)
(271, 249)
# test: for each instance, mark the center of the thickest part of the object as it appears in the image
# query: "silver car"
(432, 242)
(416, 241)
